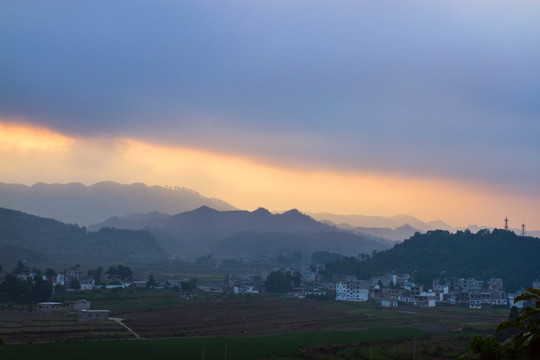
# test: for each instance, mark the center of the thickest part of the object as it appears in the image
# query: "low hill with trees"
(441, 254)
(43, 238)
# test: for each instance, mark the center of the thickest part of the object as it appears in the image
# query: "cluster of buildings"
(81, 307)
(391, 290)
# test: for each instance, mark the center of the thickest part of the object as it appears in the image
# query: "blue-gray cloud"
(442, 90)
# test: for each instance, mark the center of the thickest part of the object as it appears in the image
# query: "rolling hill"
(483, 255)
(36, 238)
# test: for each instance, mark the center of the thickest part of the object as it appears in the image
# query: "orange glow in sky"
(29, 155)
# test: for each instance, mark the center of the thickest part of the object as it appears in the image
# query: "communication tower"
(506, 223)
(522, 229)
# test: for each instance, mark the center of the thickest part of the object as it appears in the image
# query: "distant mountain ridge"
(27, 236)
(393, 222)
(208, 231)
(85, 205)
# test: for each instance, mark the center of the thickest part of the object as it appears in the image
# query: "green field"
(268, 347)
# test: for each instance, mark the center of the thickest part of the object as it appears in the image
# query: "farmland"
(247, 328)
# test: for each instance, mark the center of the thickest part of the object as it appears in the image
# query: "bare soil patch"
(18, 327)
(236, 318)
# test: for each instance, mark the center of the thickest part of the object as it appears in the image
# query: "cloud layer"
(421, 90)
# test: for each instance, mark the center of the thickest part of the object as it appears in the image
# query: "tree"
(75, 284)
(21, 268)
(188, 286)
(16, 290)
(124, 272)
(49, 273)
(522, 330)
(96, 274)
(10, 289)
(151, 283)
(527, 341)
(42, 289)
(280, 282)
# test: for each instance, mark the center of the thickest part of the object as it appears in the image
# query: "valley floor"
(247, 328)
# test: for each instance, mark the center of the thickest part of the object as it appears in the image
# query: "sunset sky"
(425, 108)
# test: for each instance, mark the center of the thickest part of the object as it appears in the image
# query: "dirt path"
(119, 321)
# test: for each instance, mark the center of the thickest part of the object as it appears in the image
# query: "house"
(87, 283)
(426, 299)
(315, 292)
(479, 299)
(499, 302)
(400, 279)
(354, 290)
(77, 305)
(59, 279)
(75, 273)
(389, 303)
(245, 290)
(297, 292)
(49, 306)
(393, 294)
(93, 315)
(384, 280)
(139, 283)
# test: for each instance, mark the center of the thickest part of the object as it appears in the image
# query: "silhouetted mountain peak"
(261, 211)
(203, 210)
(296, 215)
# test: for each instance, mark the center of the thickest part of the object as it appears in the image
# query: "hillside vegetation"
(442, 254)
(41, 238)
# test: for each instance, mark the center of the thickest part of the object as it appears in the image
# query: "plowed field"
(236, 318)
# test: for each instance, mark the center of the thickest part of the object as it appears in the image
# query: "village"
(389, 290)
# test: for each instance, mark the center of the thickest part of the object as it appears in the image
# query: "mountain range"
(242, 233)
(396, 228)
(367, 221)
(85, 205)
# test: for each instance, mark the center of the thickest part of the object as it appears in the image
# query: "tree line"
(437, 254)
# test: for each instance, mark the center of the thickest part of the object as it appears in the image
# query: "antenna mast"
(522, 229)
(506, 223)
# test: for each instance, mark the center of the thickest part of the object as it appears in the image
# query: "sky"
(426, 108)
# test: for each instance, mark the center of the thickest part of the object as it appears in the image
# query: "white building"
(351, 291)
(87, 283)
(245, 290)
(389, 303)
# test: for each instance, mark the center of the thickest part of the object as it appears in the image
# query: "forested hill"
(440, 253)
(28, 236)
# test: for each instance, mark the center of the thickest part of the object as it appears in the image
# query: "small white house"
(87, 283)
(77, 305)
(245, 290)
(50, 306)
(389, 303)
(93, 315)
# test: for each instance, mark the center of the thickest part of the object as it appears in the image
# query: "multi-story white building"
(351, 291)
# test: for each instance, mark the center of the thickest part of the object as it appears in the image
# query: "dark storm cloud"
(441, 90)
